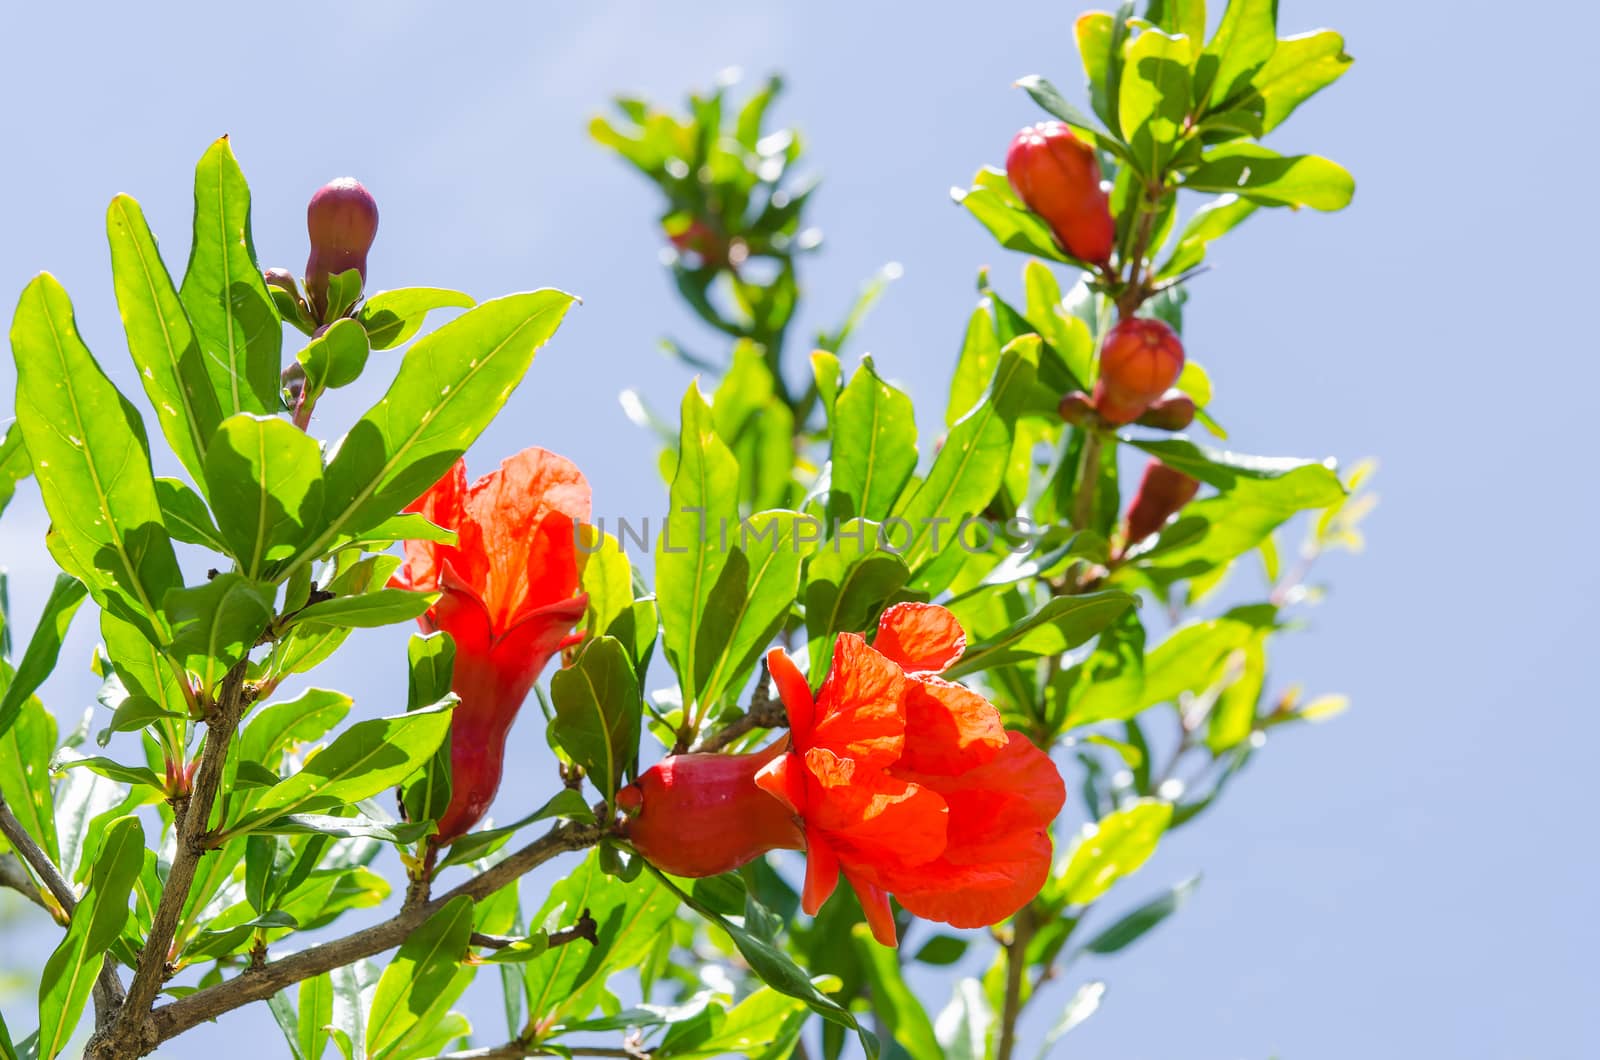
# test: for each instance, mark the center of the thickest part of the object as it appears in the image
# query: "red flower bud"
(1058, 177)
(342, 219)
(1139, 359)
(702, 814)
(699, 239)
(1172, 411)
(281, 278)
(1162, 494)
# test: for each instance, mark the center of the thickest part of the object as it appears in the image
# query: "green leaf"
(305, 718)
(1101, 38)
(1082, 1005)
(1130, 927)
(1050, 98)
(752, 597)
(969, 468)
(566, 803)
(1110, 849)
(1193, 657)
(451, 383)
(846, 587)
(237, 325)
(334, 358)
(995, 206)
(69, 974)
(1154, 99)
(392, 317)
(1309, 483)
(607, 578)
(44, 647)
(1060, 625)
(1267, 178)
(111, 770)
(568, 982)
(89, 452)
(872, 446)
(313, 1015)
(25, 751)
(430, 662)
(186, 515)
(1245, 39)
(1300, 67)
(422, 981)
(704, 503)
(216, 624)
(146, 673)
(1067, 334)
(897, 1008)
(966, 1024)
(366, 759)
(980, 354)
(1107, 685)
(265, 481)
(357, 827)
(777, 969)
(160, 337)
(14, 463)
(384, 607)
(1216, 218)
(597, 713)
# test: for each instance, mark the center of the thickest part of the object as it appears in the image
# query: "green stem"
(1088, 479)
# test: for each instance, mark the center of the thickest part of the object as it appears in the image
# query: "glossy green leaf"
(313, 1015)
(567, 803)
(873, 446)
(392, 317)
(1154, 98)
(234, 319)
(1106, 686)
(186, 515)
(1066, 333)
(1300, 67)
(1233, 718)
(307, 717)
(112, 770)
(1110, 849)
(1060, 625)
(778, 970)
(160, 337)
(451, 383)
(15, 464)
(422, 981)
(965, 1027)
(980, 354)
(1267, 178)
(216, 624)
(431, 664)
(1304, 482)
(1191, 659)
(689, 558)
(567, 983)
(70, 972)
(265, 481)
(334, 358)
(848, 581)
(899, 1012)
(1050, 98)
(1244, 41)
(607, 578)
(752, 597)
(383, 607)
(44, 647)
(1211, 221)
(146, 673)
(597, 713)
(1132, 926)
(26, 747)
(1101, 38)
(90, 455)
(1080, 1007)
(367, 758)
(994, 205)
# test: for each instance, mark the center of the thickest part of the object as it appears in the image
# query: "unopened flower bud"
(1162, 494)
(699, 239)
(1077, 409)
(702, 814)
(342, 219)
(1139, 360)
(1172, 411)
(1057, 176)
(281, 278)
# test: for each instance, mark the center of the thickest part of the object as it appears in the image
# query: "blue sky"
(1413, 879)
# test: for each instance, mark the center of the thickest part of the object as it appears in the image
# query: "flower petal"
(875, 905)
(922, 638)
(519, 528)
(872, 820)
(822, 873)
(441, 505)
(795, 691)
(784, 779)
(949, 729)
(859, 716)
(997, 853)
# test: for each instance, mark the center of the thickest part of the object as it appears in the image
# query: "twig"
(130, 1034)
(516, 1050)
(108, 985)
(765, 712)
(174, 1018)
(1016, 966)
(586, 929)
(15, 876)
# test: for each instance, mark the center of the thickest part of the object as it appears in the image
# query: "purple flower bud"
(342, 220)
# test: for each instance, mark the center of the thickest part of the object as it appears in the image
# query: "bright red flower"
(510, 597)
(904, 782)
(908, 784)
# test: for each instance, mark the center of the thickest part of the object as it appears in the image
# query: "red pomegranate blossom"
(510, 597)
(903, 782)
